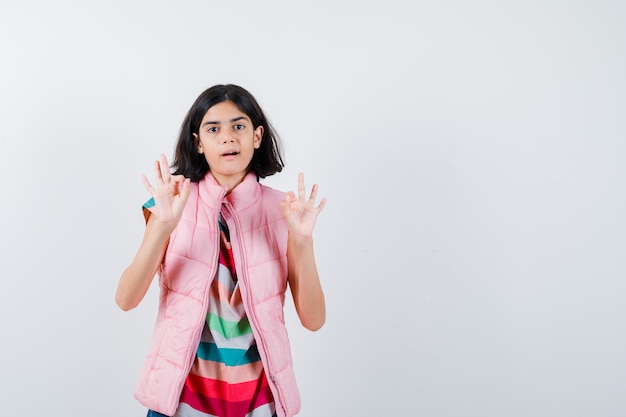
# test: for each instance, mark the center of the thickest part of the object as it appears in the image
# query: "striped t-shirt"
(227, 378)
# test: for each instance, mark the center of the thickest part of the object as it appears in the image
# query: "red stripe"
(227, 259)
(221, 389)
(226, 255)
(211, 401)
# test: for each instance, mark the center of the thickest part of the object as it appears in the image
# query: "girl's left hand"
(301, 213)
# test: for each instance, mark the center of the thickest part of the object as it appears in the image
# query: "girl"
(225, 247)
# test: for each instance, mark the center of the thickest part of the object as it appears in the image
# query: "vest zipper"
(243, 280)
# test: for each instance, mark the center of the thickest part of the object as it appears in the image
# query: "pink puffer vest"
(258, 235)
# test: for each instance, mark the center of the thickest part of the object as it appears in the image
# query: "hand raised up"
(170, 194)
(301, 213)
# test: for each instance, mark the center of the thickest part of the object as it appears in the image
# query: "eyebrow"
(236, 119)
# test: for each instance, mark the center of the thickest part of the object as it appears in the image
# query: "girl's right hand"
(170, 194)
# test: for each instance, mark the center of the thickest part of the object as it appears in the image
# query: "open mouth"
(232, 153)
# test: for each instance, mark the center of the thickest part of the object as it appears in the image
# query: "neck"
(230, 182)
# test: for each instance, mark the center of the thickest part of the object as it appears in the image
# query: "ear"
(258, 135)
(198, 144)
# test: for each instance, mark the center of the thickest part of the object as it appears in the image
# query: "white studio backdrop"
(472, 153)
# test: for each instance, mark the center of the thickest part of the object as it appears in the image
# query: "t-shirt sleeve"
(148, 208)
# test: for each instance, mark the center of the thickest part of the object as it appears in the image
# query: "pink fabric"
(259, 236)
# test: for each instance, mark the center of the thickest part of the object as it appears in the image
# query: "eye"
(239, 127)
(212, 129)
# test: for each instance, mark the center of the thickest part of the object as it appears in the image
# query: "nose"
(227, 137)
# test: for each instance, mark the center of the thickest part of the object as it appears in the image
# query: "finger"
(178, 182)
(313, 195)
(289, 198)
(181, 182)
(301, 186)
(285, 204)
(147, 184)
(165, 169)
(321, 205)
(157, 173)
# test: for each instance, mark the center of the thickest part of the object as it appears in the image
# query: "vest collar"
(241, 197)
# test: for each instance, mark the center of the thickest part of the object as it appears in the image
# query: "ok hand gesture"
(301, 213)
(170, 194)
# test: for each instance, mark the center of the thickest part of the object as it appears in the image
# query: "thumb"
(284, 205)
(184, 194)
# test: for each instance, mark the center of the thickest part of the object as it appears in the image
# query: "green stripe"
(228, 329)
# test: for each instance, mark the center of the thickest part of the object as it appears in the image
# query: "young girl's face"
(227, 139)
